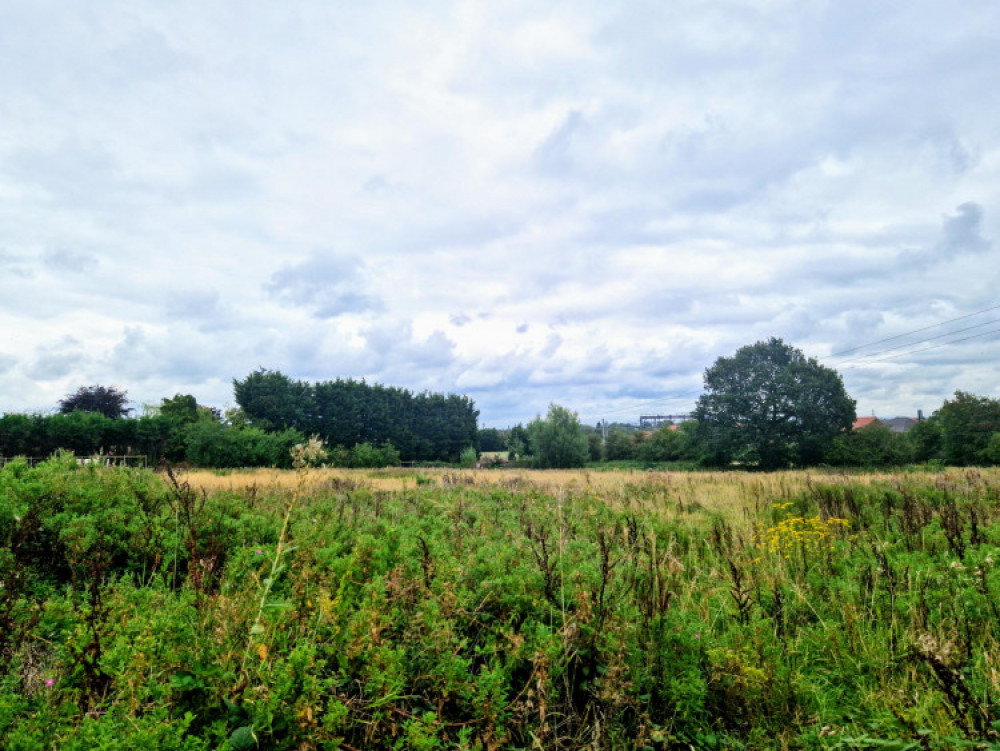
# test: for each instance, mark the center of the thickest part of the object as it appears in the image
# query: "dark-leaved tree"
(770, 406)
(106, 400)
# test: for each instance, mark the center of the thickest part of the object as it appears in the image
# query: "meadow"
(496, 609)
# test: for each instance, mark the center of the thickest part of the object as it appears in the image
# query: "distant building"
(900, 424)
(896, 424)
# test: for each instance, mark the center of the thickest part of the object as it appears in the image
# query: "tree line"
(365, 425)
(766, 407)
(345, 412)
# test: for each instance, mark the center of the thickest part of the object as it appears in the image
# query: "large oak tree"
(769, 406)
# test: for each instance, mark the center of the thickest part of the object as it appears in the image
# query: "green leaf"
(242, 739)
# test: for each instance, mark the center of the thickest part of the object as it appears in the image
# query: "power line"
(919, 341)
(925, 349)
(907, 333)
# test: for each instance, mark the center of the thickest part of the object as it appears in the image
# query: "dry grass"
(736, 495)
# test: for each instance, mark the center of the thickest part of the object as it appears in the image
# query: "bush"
(874, 445)
(469, 457)
(364, 455)
(211, 444)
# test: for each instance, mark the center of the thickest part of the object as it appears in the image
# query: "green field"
(498, 609)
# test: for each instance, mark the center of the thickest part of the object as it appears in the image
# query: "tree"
(182, 407)
(618, 446)
(343, 412)
(665, 444)
(594, 446)
(874, 445)
(558, 439)
(925, 440)
(490, 439)
(272, 400)
(517, 442)
(968, 423)
(768, 405)
(106, 400)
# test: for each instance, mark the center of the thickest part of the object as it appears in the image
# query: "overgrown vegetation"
(637, 611)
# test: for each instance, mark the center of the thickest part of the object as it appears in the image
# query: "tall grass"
(446, 609)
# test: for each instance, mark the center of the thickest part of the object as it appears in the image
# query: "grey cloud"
(598, 361)
(58, 360)
(959, 156)
(142, 356)
(193, 304)
(398, 352)
(452, 232)
(375, 184)
(555, 153)
(552, 344)
(203, 309)
(859, 326)
(83, 174)
(962, 233)
(327, 285)
(146, 55)
(14, 265)
(7, 362)
(215, 183)
(459, 319)
(69, 261)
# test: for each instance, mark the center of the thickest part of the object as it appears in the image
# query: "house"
(896, 424)
(900, 424)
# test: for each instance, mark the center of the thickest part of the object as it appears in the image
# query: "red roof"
(863, 422)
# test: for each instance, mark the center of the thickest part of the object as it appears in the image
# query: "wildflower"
(697, 636)
(258, 551)
(50, 681)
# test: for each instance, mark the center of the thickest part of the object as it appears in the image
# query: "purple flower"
(697, 636)
(50, 681)
(258, 551)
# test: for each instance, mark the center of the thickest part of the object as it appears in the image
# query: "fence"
(105, 460)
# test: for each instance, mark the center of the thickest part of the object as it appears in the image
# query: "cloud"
(165, 355)
(72, 173)
(584, 204)
(329, 286)
(396, 350)
(7, 362)
(14, 265)
(554, 155)
(962, 231)
(58, 360)
(62, 260)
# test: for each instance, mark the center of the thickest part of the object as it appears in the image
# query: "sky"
(579, 203)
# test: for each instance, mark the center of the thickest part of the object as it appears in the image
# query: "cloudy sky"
(526, 202)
